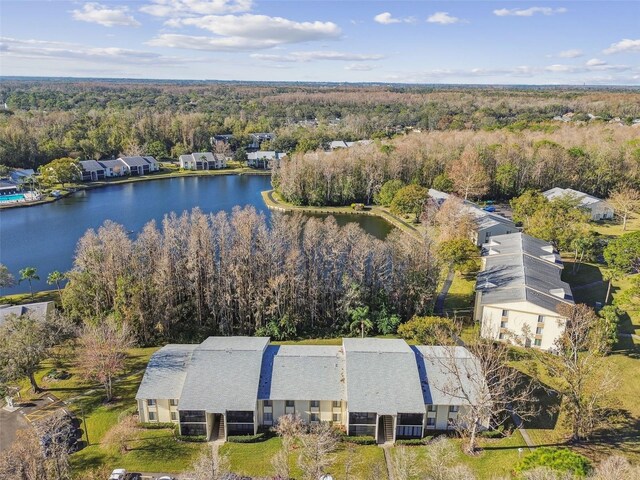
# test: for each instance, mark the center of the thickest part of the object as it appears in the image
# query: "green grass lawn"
(461, 293)
(254, 459)
(496, 458)
(22, 298)
(613, 228)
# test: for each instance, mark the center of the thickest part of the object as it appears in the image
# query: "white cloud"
(572, 53)
(443, 18)
(594, 62)
(316, 55)
(528, 12)
(559, 68)
(245, 32)
(359, 67)
(43, 49)
(105, 16)
(181, 8)
(626, 45)
(385, 18)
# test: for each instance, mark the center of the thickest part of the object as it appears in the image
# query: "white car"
(118, 474)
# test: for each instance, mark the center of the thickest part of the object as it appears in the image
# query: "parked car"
(489, 208)
(118, 474)
(166, 477)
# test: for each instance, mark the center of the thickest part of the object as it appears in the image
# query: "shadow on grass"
(621, 435)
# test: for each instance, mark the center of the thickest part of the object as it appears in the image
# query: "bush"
(357, 206)
(360, 440)
(192, 438)
(258, 437)
(559, 459)
(157, 425)
(495, 433)
(413, 441)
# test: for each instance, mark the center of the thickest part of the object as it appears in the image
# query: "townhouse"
(265, 159)
(93, 170)
(202, 161)
(597, 208)
(234, 385)
(519, 290)
(487, 224)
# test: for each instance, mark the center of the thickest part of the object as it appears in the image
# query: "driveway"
(10, 423)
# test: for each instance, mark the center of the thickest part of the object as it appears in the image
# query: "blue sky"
(510, 42)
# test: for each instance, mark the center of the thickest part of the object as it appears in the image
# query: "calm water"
(45, 236)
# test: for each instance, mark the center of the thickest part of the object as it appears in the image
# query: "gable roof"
(224, 374)
(138, 161)
(518, 267)
(302, 372)
(165, 373)
(38, 310)
(382, 376)
(439, 386)
(91, 165)
(483, 219)
(584, 198)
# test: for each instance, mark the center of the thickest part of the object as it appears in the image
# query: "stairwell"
(220, 433)
(388, 428)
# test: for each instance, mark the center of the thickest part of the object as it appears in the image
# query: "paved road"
(10, 423)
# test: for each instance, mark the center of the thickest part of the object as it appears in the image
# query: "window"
(192, 416)
(540, 318)
(267, 403)
(152, 416)
(193, 429)
(337, 417)
(362, 418)
(314, 404)
(431, 408)
(314, 417)
(431, 422)
(503, 324)
(409, 431)
(539, 331)
(174, 415)
(151, 403)
(289, 403)
(173, 402)
(337, 404)
(410, 418)
(501, 336)
(362, 430)
(453, 408)
(240, 416)
(537, 342)
(240, 429)
(268, 417)
(505, 313)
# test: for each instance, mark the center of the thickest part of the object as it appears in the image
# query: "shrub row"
(413, 441)
(258, 437)
(157, 425)
(360, 440)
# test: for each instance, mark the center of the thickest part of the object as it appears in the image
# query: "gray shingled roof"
(584, 198)
(38, 310)
(91, 165)
(382, 376)
(439, 386)
(138, 161)
(519, 267)
(302, 372)
(224, 374)
(165, 373)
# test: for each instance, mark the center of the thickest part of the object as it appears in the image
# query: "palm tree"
(29, 274)
(56, 277)
(360, 320)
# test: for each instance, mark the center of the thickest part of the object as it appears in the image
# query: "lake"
(45, 236)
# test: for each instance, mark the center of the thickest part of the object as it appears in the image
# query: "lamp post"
(84, 423)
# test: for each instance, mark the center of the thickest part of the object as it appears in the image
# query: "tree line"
(496, 164)
(234, 274)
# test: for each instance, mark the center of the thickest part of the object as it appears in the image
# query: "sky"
(470, 42)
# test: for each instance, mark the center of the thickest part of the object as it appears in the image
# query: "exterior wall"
(521, 316)
(443, 417)
(162, 410)
(601, 211)
(302, 408)
(483, 235)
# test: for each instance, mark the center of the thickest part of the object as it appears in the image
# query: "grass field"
(461, 293)
(22, 298)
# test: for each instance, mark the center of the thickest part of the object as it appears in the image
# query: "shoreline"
(142, 178)
(277, 205)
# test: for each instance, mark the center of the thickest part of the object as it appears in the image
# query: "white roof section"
(198, 156)
(38, 310)
(585, 198)
(382, 376)
(482, 218)
(165, 373)
(224, 374)
(138, 161)
(302, 372)
(264, 155)
(439, 386)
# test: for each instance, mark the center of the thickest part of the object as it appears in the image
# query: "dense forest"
(498, 163)
(48, 119)
(233, 274)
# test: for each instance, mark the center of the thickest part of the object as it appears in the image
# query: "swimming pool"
(11, 198)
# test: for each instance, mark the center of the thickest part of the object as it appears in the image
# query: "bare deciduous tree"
(578, 367)
(469, 175)
(121, 434)
(487, 388)
(211, 466)
(453, 220)
(25, 459)
(404, 464)
(102, 351)
(288, 428)
(625, 202)
(318, 446)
